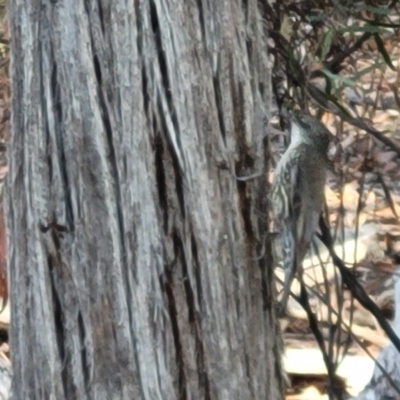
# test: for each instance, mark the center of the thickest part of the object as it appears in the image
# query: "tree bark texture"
(132, 247)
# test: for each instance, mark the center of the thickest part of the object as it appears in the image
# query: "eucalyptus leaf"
(342, 79)
(326, 43)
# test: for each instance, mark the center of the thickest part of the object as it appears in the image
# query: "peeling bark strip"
(131, 245)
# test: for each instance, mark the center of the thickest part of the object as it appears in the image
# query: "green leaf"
(342, 79)
(379, 23)
(326, 43)
(382, 50)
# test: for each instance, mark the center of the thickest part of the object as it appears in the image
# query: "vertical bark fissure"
(58, 320)
(196, 313)
(160, 179)
(101, 15)
(172, 309)
(218, 102)
(163, 65)
(84, 356)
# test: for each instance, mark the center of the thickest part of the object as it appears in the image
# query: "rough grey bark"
(131, 244)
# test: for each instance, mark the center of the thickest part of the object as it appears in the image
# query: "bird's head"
(305, 128)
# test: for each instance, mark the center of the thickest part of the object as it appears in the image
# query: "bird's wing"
(295, 185)
(306, 214)
(288, 181)
(291, 188)
(285, 187)
(286, 203)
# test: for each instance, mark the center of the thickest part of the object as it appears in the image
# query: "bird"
(297, 193)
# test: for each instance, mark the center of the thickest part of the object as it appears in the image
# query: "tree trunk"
(132, 247)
